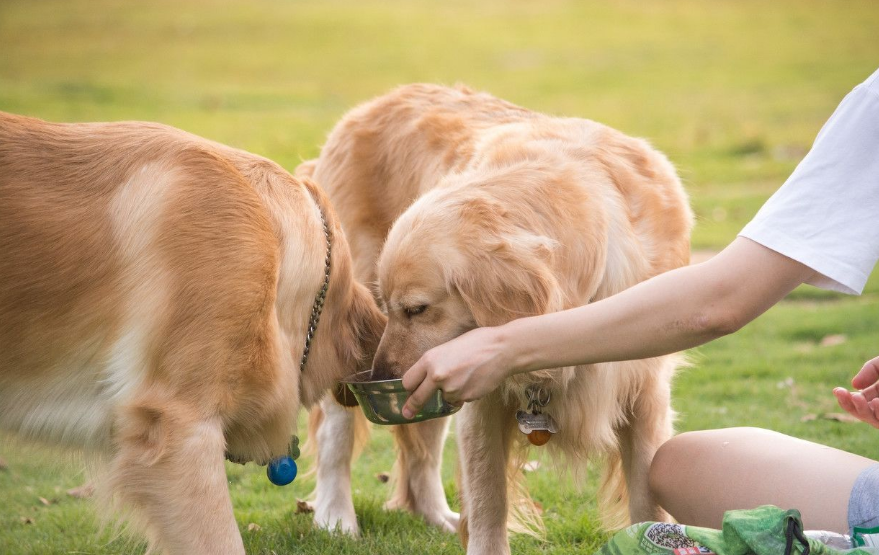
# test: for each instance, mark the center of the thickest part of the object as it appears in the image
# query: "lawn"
(733, 91)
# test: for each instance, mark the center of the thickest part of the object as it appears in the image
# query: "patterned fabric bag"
(765, 530)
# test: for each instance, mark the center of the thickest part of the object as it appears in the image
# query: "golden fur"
(155, 288)
(482, 212)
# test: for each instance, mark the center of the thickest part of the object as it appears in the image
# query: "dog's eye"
(414, 310)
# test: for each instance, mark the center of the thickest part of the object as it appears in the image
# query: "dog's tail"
(309, 447)
(613, 495)
(411, 448)
(649, 405)
(524, 516)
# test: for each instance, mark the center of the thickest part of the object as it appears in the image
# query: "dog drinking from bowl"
(465, 210)
(156, 293)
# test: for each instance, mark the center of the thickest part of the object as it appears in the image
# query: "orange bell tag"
(539, 427)
(539, 437)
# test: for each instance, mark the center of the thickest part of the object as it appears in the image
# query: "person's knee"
(674, 460)
(678, 458)
(664, 468)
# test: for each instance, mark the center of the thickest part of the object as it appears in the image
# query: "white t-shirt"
(826, 215)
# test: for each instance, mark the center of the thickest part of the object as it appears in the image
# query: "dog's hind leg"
(336, 439)
(419, 484)
(649, 426)
(168, 473)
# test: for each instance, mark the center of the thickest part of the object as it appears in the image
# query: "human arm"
(677, 310)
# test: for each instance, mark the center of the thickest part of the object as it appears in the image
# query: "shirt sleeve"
(826, 215)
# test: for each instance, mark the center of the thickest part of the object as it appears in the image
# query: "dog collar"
(321, 296)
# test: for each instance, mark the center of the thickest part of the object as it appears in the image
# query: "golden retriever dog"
(469, 211)
(156, 290)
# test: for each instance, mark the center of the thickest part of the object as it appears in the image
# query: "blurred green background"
(733, 91)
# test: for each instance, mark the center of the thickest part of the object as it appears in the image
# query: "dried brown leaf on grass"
(833, 340)
(836, 416)
(82, 492)
(303, 507)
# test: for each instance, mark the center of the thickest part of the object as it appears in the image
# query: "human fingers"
(868, 375)
(854, 404)
(871, 392)
(415, 375)
(874, 406)
(418, 398)
(844, 399)
(864, 410)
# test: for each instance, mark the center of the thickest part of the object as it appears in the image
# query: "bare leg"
(419, 485)
(698, 475)
(484, 429)
(334, 506)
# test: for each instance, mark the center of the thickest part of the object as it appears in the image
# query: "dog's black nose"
(382, 369)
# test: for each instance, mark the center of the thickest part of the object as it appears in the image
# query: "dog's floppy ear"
(508, 276)
(305, 169)
(359, 341)
(344, 396)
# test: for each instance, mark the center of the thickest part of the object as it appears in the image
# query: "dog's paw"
(444, 520)
(451, 522)
(436, 513)
(330, 521)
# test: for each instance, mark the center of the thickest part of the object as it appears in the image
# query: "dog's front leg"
(334, 506)
(419, 486)
(484, 438)
(168, 471)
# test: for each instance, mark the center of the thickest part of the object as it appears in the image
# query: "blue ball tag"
(282, 471)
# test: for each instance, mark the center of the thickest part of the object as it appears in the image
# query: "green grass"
(733, 91)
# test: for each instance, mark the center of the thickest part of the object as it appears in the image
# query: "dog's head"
(457, 260)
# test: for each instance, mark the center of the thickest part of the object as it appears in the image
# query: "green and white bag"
(765, 530)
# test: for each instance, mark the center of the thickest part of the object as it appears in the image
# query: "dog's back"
(155, 289)
(116, 241)
(388, 152)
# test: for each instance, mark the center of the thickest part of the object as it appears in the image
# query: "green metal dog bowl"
(382, 400)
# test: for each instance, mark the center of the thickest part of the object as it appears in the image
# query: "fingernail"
(407, 413)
